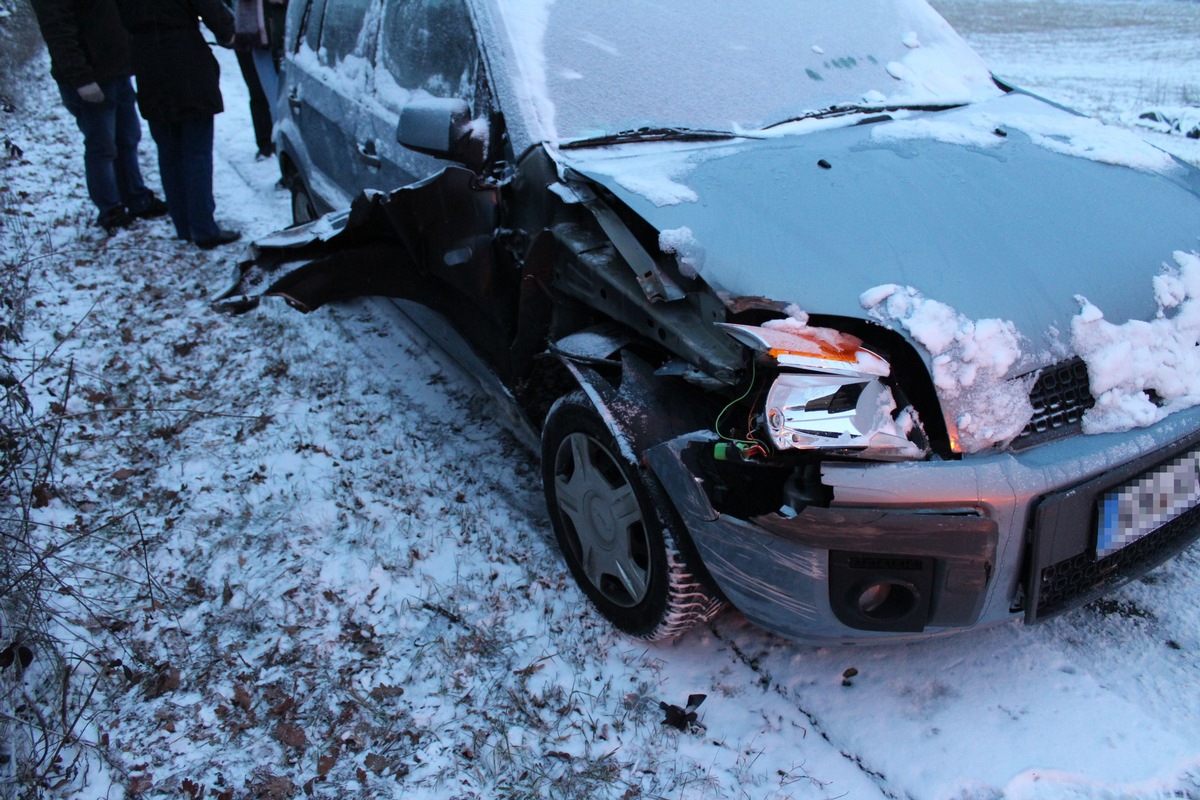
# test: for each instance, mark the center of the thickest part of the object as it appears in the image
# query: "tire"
(303, 209)
(626, 551)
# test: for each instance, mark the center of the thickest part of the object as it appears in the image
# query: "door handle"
(368, 155)
(294, 102)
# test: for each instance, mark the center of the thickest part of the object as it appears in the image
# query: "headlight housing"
(830, 394)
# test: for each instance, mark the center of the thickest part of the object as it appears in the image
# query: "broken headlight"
(829, 394)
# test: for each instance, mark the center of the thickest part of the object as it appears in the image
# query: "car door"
(427, 47)
(328, 78)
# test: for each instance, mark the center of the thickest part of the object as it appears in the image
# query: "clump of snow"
(940, 70)
(1140, 371)
(682, 244)
(655, 178)
(659, 189)
(971, 364)
(1089, 138)
(795, 316)
(938, 73)
(1128, 362)
(816, 48)
(900, 72)
(950, 131)
(1045, 125)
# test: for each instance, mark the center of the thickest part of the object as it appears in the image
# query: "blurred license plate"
(1144, 505)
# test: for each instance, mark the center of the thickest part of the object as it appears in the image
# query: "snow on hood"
(986, 126)
(1140, 370)
(972, 362)
(1013, 230)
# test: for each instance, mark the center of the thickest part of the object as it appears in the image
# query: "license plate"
(1144, 505)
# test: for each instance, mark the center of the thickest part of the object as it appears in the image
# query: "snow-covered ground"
(314, 564)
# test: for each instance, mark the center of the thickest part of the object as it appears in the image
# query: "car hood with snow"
(1008, 209)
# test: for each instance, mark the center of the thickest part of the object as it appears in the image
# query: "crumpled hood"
(1011, 224)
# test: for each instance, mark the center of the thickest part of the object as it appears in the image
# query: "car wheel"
(626, 551)
(302, 204)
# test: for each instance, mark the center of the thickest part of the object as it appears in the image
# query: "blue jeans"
(186, 167)
(111, 132)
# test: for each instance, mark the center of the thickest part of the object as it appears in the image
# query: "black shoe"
(155, 208)
(223, 237)
(114, 219)
(264, 153)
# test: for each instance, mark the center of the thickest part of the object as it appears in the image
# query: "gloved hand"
(91, 93)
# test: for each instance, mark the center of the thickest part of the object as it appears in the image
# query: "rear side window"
(304, 24)
(429, 45)
(342, 31)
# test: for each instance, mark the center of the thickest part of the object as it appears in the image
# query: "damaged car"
(804, 309)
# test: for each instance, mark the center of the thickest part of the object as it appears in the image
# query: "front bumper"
(977, 541)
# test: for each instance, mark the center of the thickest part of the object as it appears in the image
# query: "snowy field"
(314, 565)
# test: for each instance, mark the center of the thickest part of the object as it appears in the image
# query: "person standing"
(179, 93)
(259, 26)
(90, 61)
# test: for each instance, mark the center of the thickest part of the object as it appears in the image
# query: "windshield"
(597, 67)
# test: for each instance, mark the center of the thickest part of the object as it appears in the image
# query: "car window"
(342, 31)
(304, 24)
(429, 45)
(720, 65)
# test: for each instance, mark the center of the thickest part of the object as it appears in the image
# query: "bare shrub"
(47, 674)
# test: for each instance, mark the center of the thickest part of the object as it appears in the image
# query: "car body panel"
(339, 133)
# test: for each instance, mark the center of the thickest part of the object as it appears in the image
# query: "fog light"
(886, 600)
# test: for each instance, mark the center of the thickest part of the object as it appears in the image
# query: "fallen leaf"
(291, 735)
(42, 495)
(167, 680)
(376, 763)
(241, 697)
(141, 783)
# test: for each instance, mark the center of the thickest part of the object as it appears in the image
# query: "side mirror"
(434, 125)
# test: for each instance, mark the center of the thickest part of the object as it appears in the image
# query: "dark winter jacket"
(177, 77)
(86, 41)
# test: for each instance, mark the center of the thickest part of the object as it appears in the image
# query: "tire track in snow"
(769, 684)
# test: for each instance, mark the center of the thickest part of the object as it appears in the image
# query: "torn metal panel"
(441, 226)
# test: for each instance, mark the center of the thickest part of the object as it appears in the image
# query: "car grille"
(1082, 578)
(1059, 397)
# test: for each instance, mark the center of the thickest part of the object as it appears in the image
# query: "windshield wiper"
(844, 110)
(671, 134)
